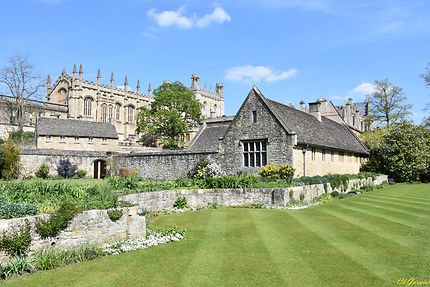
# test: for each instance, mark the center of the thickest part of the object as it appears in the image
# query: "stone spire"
(48, 87)
(149, 91)
(111, 79)
(98, 76)
(74, 72)
(80, 72)
(125, 81)
(63, 73)
(138, 88)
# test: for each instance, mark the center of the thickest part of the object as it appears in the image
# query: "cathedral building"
(94, 101)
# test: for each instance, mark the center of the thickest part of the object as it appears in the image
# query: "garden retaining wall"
(91, 226)
(154, 201)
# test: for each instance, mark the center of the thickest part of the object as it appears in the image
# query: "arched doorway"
(99, 169)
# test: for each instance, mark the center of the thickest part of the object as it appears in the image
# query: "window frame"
(254, 153)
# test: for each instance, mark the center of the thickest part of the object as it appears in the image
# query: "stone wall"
(31, 160)
(154, 201)
(92, 226)
(162, 165)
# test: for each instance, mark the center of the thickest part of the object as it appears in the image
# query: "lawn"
(369, 240)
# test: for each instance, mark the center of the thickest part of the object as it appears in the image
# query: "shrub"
(12, 210)
(21, 137)
(181, 203)
(43, 171)
(273, 171)
(66, 169)
(16, 266)
(115, 214)
(57, 222)
(51, 258)
(334, 194)
(81, 173)
(17, 242)
(9, 159)
(205, 169)
(405, 153)
(121, 182)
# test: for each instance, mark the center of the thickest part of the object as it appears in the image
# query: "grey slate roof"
(75, 128)
(207, 137)
(311, 131)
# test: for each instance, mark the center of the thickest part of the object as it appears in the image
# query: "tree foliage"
(9, 159)
(405, 153)
(173, 112)
(372, 140)
(19, 81)
(388, 104)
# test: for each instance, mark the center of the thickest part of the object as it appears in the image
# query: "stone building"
(94, 101)
(264, 131)
(69, 134)
(355, 115)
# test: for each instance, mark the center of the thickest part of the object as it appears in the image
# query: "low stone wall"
(92, 226)
(154, 201)
(32, 159)
(162, 165)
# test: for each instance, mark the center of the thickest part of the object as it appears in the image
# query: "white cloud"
(358, 93)
(179, 19)
(249, 73)
(364, 89)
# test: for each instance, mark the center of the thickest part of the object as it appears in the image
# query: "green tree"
(405, 152)
(173, 112)
(372, 140)
(9, 159)
(388, 104)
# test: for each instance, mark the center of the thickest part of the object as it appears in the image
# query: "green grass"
(369, 240)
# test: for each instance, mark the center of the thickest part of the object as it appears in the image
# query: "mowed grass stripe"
(414, 208)
(206, 261)
(283, 243)
(390, 216)
(407, 213)
(392, 231)
(246, 253)
(365, 248)
(405, 199)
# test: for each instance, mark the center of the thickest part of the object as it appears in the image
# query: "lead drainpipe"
(304, 158)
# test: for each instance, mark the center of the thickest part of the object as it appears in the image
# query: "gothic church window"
(110, 113)
(88, 106)
(118, 112)
(130, 114)
(104, 113)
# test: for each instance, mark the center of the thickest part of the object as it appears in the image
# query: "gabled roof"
(324, 133)
(209, 133)
(75, 128)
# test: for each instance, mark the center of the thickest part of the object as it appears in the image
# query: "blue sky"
(291, 49)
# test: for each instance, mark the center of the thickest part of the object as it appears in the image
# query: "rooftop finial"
(111, 78)
(80, 69)
(74, 68)
(98, 73)
(125, 81)
(48, 80)
(63, 72)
